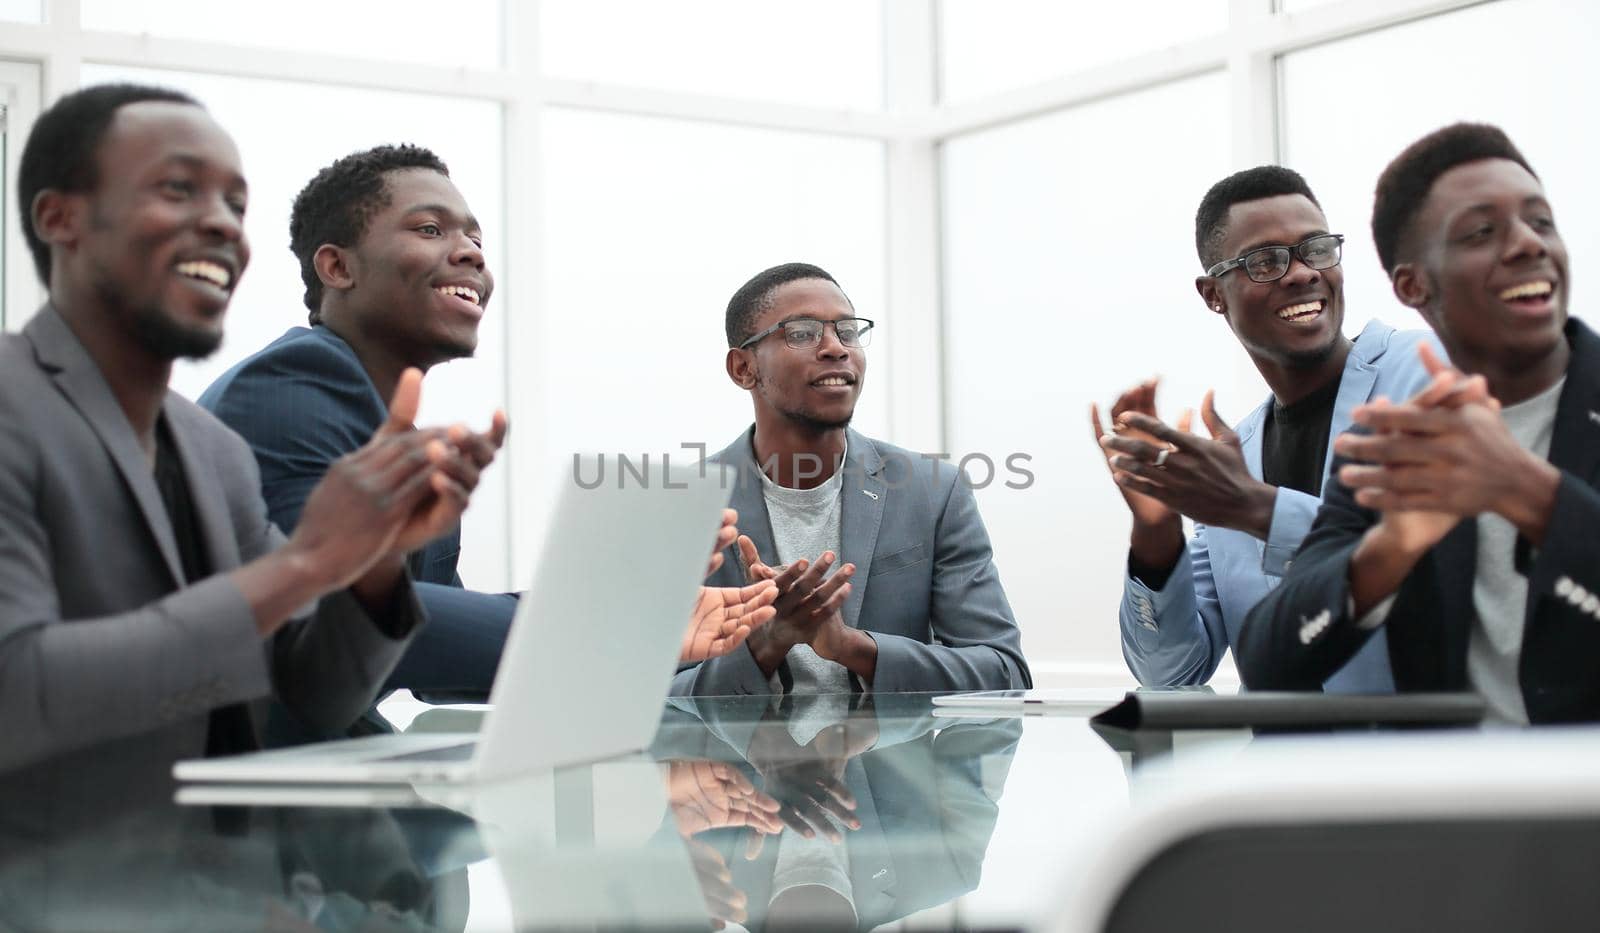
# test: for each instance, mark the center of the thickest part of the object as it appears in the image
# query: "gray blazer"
(925, 587)
(110, 661)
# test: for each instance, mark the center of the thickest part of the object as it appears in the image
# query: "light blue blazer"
(1177, 635)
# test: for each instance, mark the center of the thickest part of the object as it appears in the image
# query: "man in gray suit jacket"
(144, 595)
(915, 602)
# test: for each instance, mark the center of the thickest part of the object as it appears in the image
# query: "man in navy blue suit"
(395, 277)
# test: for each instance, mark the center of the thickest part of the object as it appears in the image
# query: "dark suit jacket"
(925, 587)
(303, 402)
(1282, 647)
(111, 661)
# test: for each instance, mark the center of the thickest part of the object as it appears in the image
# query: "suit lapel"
(1355, 389)
(1575, 447)
(861, 510)
(861, 513)
(80, 380)
(748, 500)
(205, 493)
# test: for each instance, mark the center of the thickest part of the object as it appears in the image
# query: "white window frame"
(39, 62)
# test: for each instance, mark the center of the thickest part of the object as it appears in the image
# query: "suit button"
(1591, 603)
(1287, 565)
(1564, 587)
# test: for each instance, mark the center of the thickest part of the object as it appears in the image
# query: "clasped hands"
(1442, 456)
(806, 610)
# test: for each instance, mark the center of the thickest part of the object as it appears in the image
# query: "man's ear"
(1410, 284)
(741, 368)
(57, 216)
(333, 266)
(1210, 293)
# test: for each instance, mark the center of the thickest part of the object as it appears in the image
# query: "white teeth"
(1300, 310)
(833, 381)
(459, 291)
(1527, 290)
(204, 270)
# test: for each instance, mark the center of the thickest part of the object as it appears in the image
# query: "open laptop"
(590, 655)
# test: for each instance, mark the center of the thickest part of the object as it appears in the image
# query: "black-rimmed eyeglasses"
(805, 333)
(1271, 263)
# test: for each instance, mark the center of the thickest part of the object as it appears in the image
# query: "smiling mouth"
(1305, 311)
(1529, 293)
(460, 291)
(212, 273)
(834, 381)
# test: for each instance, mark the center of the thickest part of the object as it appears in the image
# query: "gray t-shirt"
(805, 522)
(1499, 593)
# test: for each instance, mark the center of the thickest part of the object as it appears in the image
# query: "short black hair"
(1404, 185)
(334, 206)
(61, 150)
(1252, 184)
(755, 296)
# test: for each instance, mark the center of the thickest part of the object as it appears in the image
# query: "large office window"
(1014, 179)
(650, 227)
(1400, 83)
(286, 132)
(21, 11)
(1069, 270)
(465, 35)
(987, 46)
(823, 53)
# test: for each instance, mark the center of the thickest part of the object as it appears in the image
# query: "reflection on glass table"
(825, 812)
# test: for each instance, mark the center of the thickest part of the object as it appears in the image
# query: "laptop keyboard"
(462, 752)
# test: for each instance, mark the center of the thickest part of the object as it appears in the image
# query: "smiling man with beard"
(1463, 532)
(913, 601)
(145, 597)
(1272, 272)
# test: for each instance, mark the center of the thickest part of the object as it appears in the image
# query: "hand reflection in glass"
(715, 795)
(808, 780)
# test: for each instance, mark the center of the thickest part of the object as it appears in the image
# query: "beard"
(814, 424)
(803, 419)
(162, 337)
(168, 339)
(1310, 359)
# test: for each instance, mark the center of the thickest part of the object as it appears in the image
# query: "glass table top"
(830, 812)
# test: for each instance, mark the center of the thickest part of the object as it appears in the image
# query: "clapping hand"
(724, 616)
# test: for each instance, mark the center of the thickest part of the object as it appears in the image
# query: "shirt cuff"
(1375, 616)
(1292, 514)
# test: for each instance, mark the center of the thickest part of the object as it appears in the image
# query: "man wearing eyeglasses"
(1272, 273)
(884, 570)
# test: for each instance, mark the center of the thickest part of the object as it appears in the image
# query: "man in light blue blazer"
(913, 601)
(1272, 272)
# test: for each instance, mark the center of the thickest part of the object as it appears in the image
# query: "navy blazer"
(925, 588)
(1286, 645)
(303, 402)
